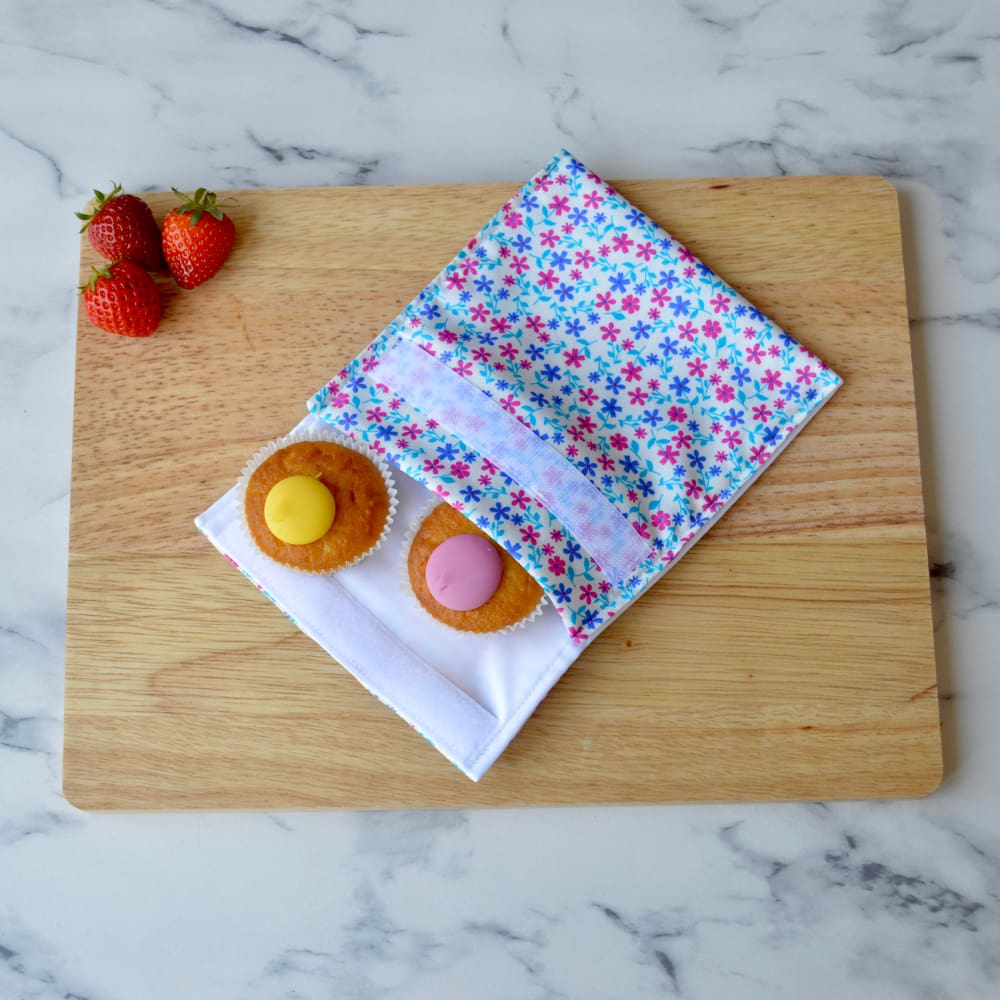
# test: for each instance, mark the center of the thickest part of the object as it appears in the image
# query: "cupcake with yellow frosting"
(317, 502)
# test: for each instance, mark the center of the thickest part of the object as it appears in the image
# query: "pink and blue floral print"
(576, 317)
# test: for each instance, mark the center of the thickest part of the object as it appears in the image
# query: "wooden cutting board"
(789, 656)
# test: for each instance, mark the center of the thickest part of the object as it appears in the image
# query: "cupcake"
(316, 502)
(461, 577)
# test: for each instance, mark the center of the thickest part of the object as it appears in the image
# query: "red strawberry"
(197, 238)
(122, 298)
(122, 227)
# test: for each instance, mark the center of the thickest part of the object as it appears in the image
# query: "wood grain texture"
(789, 656)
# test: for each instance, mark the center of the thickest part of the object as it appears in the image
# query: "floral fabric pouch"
(590, 395)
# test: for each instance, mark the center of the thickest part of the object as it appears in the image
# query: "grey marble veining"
(888, 900)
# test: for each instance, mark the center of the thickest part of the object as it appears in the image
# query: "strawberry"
(122, 227)
(122, 298)
(197, 238)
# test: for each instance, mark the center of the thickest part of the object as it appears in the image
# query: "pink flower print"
(433, 466)
(638, 397)
(716, 427)
(535, 323)
(771, 380)
(686, 331)
(507, 349)
(513, 219)
(463, 368)
(562, 180)
(395, 404)
(622, 242)
(805, 375)
(481, 355)
(697, 367)
(762, 414)
(447, 336)
(668, 455)
(376, 415)
(588, 397)
(340, 399)
(661, 520)
(576, 274)
(584, 258)
(607, 462)
(618, 441)
(460, 470)
(479, 313)
(715, 378)
(628, 344)
(543, 183)
(749, 333)
(485, 480)
(711, 329)
(682, 439)
(587, 594)
(603, 250)
(640, 526)
(645, 251)
(759, 454)
(711, 503)
(661, 296)
(470, 266)
(557, 565)
(610, 332)
(630, 304)
(574, 358)
(369, 364)
(529, 535)
(559, 204)
(722, 456)
(774, 351)
(779, 403)
(677, 414)
(567, 227)
(524, 364)
(548, 279)
(732, 439)
(412, 431)
(632, 372)
(689, 272)
(442, 492)
(755, 354)
(592, 445)
(543, 338)
(519, 264)
(519, 499)
(498, 366)
(604, 586)
(653, 384)
(455, 280)
(549, 238)
(725, 394)
(653, 313)
(593, 199)
(586, 423)
(692, 488)
(723, 364)
(720, 303)
(577, 435)
(685, 254)
(605, 301)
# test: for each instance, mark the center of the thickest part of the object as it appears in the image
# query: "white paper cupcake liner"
(318, 434)
(404, 581)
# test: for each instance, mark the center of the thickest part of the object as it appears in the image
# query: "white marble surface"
(888, 900)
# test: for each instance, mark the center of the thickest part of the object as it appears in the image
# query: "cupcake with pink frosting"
(463, 579)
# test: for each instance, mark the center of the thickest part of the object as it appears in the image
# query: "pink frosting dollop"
(463, 572)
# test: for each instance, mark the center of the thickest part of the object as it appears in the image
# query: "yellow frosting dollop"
(299, 509)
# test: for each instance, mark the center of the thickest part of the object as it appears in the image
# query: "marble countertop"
(874, 899)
